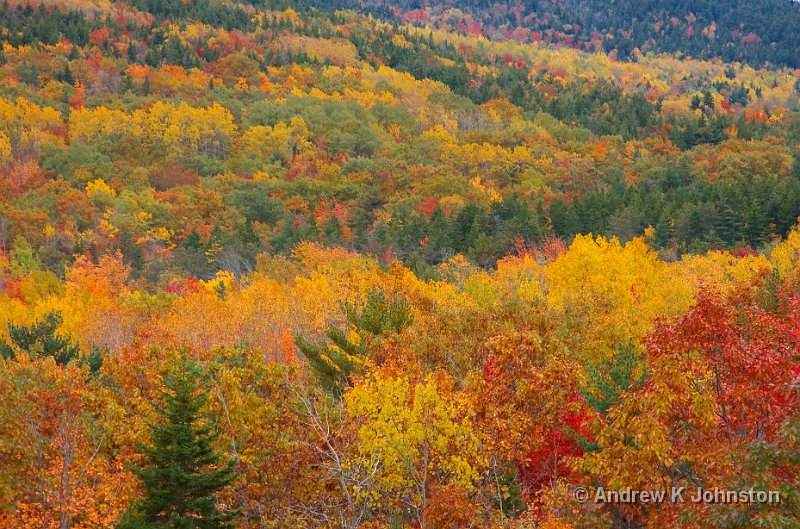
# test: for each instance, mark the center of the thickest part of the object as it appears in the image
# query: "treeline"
(760, 33)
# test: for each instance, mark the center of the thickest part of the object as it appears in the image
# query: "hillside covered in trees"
(281, 264)
(760, 32)
(193, 146)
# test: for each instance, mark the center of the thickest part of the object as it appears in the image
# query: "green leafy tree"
(183, 472)
(607, 382)
(372, 317)
(379, 315)
(334, 363)
(40, 338)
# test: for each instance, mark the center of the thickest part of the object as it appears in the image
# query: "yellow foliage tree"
(616, 290)
(785, 257)
(422, 434)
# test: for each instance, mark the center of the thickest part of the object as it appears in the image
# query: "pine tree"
(662, 233)
(40, 338)
(796, 166)
(183, 472)
(333, 364)
(126, 84)
(608, 381)
(132, 57)
(727, 224)
(372, 318)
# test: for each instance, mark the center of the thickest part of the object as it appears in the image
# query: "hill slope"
(314, 125)
(767, 31)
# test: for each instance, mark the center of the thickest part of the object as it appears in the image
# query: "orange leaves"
(480, 404)
(264, 310)
(718, 379)
(94, 303)
(78, 98)
(749, 351)
(106, 278)
(490, 395)
(450, 507)
(600, 150)
(51, 451)
(335, 214)
(428, 205)
(235, 67)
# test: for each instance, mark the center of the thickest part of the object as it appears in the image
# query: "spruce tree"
(796, 162)
(183, 472)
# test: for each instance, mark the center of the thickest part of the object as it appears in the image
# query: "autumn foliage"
(495, 396)
(420, 278)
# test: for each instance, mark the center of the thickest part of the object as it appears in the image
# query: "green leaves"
(40, 339)
(377, 314)
(371, 319)
(607, 381)
(183, 471)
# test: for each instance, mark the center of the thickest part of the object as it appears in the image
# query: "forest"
(759, 33)
(288, 265)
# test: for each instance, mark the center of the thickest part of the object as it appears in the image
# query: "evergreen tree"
(796, 166)
(40, 338)
(373, 317)
(183, 472)
(132, 58)
(335, 363)
(727, 224)
(66, 76)
(661, 233)
(608, 381)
